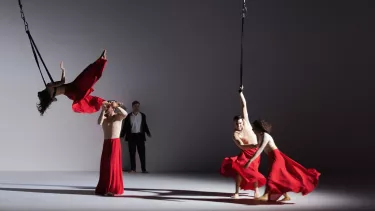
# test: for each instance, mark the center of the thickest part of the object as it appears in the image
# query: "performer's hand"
(104, 104)
(115, 104)
(241, 89)
(62, 66)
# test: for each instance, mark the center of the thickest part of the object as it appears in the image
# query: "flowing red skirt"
(232, 166)
(110, 180)
(80, 89)
(286, 175)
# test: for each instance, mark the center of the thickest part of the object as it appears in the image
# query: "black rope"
(34, 48)
(244, 10)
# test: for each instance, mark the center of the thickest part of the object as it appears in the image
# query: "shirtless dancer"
(111, 181)
(246, 140)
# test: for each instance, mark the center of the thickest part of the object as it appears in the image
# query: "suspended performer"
(246, 140)
(285, 174)
(78, 91)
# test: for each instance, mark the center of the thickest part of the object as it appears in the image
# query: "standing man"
(134, 130)
(110, 180)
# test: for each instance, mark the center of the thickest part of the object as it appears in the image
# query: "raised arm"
(244, 105)
(121, 113)
(62, 81)
(259, 151)
(102, 114)
(62, 71)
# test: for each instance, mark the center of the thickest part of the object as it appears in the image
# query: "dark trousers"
(136, 142)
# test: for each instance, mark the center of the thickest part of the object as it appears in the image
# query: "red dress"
(80, 89)
(231, 166)
(110, 179)
(286, 175)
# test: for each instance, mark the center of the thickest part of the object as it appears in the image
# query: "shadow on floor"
(168, 195)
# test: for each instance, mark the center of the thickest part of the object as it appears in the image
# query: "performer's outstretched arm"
(245, 114)
(122, 113)
(62, 71)
(102, 114)
(241, 145)
(259, 151)
(62, 81)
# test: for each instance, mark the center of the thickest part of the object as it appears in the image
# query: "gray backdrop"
(307, 70)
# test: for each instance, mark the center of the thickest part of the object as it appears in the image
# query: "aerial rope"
(244, 10)
(34, 48)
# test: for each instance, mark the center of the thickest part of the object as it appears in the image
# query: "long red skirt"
(80, 89)
(110, 180)
(286, 175)
(232, 166)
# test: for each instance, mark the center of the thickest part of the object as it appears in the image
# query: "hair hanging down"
(45, 101)
(262, 125)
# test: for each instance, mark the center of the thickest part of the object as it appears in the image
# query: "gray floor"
(74, 191)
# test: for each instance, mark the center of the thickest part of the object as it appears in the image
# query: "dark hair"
(45, 100)
(135, 102)
(238, 117)
(262, 125)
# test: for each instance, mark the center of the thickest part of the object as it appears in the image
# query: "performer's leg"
(238, 181)
(142, 154)
(132, 150)
(265, 195)
(256, 191)
(89, 76)
(286, 197)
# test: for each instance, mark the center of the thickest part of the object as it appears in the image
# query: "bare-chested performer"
(110, 180)
(245, 139)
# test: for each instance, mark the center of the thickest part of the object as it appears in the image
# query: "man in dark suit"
(134, 130)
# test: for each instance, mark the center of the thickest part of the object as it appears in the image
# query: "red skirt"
(110, 180)
(80, 89)
(232, 166)
(286, 175)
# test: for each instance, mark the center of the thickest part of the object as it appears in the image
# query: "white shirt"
(136, 120)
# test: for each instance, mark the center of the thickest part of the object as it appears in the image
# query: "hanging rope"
(35, 50)
(244, 10)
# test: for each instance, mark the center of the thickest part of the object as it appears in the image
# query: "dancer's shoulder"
(268, 137)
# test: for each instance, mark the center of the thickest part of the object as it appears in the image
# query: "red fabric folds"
(80, 89)
(231, 166)
(111, 180)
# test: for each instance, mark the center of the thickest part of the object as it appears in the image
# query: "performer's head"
(45, 100)
(110, 109)
(238, 122)
(261, 126)
(135, 106)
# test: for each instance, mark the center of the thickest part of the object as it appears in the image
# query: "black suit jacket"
(127, 127)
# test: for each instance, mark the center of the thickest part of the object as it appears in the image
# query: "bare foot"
(104, 54)
(263, 198)
(286, 198)
(235, 196)
(256, 194)
(109, 194)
